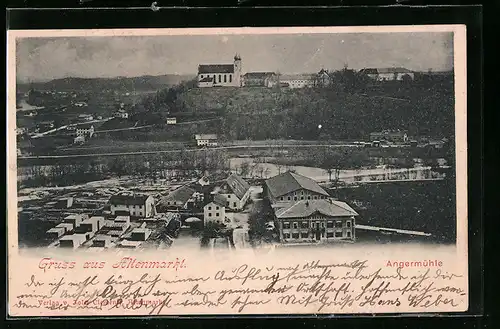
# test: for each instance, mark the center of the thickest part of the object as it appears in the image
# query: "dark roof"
(136, 199)
(238, 185)
(289, 182)
(306, 208)
(216, 68)
(218, 199)
(258, 75)
(207, 79)
(182, 194)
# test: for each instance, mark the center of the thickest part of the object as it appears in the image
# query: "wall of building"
(298, 195)
(214, 213)
(331, 228)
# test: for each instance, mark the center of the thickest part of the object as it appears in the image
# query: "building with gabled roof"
(236, 191)
(179, 198)
(136, 205)
(289, 187)
(324, 220)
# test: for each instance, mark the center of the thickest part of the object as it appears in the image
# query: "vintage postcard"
(239, 171)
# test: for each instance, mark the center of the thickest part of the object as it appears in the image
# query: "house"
(92, 224)
(179, 198)
(236, 191)
(102, 241)
(389, 74)
(171, 121)
(140, 234)
(75, 219)
(55, 233)
(206, 139)
(393, 136)
(136, 205)
(324, 220)
(295, 81)
(215, 210)
(115, 228)
(291, 187)
(68, 227)
(258, 79)
(323, 79)
(220, 75)
(85, 130)
(122, 114)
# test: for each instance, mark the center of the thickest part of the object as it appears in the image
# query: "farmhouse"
(259, 79)
(316, 220)
(206, 139)
(235, 190)
(289, 187)
(220, 75)
(137, 205)
(215, 210)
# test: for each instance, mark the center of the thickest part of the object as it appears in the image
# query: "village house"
(388, 74)
(323, 79)
(393, 136)
(73, 241)
(259, 79)
(235, 190)
(324, 220)
(215, 210)
(85, 130)
(140, 234)
(206, 139)
(295, 81)
(220, 75)
(171, 121)
(179, 198)
(291, 187)
(136, 205)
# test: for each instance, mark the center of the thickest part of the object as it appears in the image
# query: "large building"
(220, 75)
(206, 139)
(137, 205)
(295, 81)
(259, 79)
(316, 221)
(236, 191)
(291, 187)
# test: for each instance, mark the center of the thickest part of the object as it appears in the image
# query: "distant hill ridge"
(142, 83)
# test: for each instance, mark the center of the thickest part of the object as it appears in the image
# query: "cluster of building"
(230, 75)
(305, 212)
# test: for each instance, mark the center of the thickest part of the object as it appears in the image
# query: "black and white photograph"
(242, 142)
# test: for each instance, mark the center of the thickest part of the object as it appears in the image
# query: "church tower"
(237, 71)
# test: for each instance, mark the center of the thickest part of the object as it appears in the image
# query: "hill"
(142, 83)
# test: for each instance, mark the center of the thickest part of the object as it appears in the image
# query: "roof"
(306, 208)
(85, 126)
(219, 200)
(216, 68)
(207, 79)
(141, 230)
(205, 136)
(258, 75)
(385, 70)
(134, 199)
(288, 77)
(238, 185)
(182, 194)
(288, 182)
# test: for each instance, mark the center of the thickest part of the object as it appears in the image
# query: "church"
(220, 75)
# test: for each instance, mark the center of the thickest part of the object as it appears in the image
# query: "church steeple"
(237, 57)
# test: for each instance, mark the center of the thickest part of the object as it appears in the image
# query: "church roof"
(216, 68)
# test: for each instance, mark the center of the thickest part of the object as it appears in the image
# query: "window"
(338, 223)
(301, 192)
(217, 214)
(215, 80)
(348, 224)
(201, 76)
(338, 234)
(315, 197)
(289, 198)
(303, 235)
(286, 235)
(209, 208)
(295, 235)
(209, 214)
(168, 203)
(234, 204)
(225, 78)
(329, 235)
(217, 208)
(301, 198)
(220, 78)
(230, 78)
(348, 234)
(322, 224)
(304, 225)
(282, 198)
(329, 224)
(294, 198)
(286, 225)
(295, 224)
(308, 197)
(229, 196)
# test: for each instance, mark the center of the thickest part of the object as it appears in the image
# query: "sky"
(42, 59)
